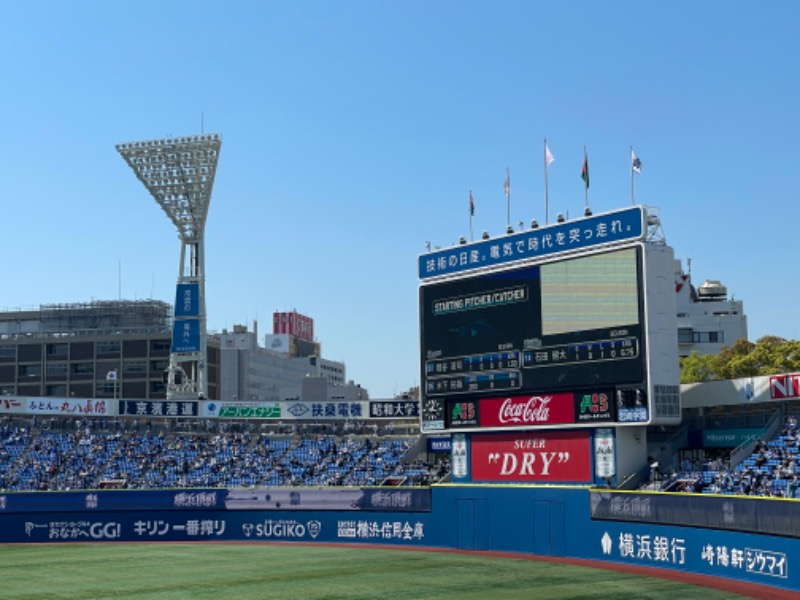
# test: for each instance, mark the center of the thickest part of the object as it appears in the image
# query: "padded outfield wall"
(709, 535)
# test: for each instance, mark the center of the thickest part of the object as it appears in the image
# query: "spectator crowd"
(770, 470)
(105, 453)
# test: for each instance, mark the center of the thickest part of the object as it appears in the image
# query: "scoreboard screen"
(571, 325)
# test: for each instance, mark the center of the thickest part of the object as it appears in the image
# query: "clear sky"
(353, 132)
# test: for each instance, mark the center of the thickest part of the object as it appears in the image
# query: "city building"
(707, 319)
(98, 349)
(121, 349)
(286, 367)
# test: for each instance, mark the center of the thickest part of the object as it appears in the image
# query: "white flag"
(636, 164)
(111, 375)
(548, 156)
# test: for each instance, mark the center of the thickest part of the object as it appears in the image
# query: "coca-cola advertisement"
(527, 410)
(543, 457)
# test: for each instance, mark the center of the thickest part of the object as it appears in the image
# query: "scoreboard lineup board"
(542, 341)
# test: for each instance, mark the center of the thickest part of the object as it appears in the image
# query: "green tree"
(735, 361)
(697, 367)
(770, 355)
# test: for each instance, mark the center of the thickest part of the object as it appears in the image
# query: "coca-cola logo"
(535, 410)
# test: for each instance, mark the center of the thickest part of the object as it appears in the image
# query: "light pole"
(179, 174)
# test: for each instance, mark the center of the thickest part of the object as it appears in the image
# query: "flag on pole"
(111, 375)
(507, 184)
(471, 205)
(548, 156)
(636, 164)
(585, 170)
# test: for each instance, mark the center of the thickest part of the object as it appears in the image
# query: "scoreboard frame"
(483, 329)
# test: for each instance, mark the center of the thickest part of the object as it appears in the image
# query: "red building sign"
(294, 324)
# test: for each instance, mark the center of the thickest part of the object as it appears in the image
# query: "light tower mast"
(179, 173)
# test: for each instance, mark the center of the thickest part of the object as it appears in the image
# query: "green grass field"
(254, 571)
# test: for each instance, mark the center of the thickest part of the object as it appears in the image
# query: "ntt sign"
(784, 386)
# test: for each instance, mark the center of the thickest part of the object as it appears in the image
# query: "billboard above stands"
(542, 457)
(286, 410)
(69, 407)
(158, 408)
(582, 234)
(12, 404)
(394, 409)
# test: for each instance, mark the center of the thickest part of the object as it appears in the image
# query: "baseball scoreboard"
(552, 327)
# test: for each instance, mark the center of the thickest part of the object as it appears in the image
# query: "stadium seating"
(99, 456)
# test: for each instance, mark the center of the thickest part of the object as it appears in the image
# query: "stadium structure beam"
(179, 174)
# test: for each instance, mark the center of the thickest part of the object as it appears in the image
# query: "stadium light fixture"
(179, 173)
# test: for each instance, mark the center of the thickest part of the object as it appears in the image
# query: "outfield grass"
(255, 571)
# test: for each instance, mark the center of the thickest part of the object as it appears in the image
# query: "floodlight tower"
(179, 173)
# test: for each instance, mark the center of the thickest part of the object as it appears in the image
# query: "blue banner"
(209, 526)
(105, 500)
(439, 444)
(580, 234)
(159, 408)
(403, 499)
(186, 336)
(187, 300)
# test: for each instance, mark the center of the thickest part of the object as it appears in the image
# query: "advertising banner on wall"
(394, 409)
(311, 411)
(11, 404)
(547, 456)
(242, 410)
(439, 444)
(330, 498)
(71, 407)
(158, 408)
(521, 411)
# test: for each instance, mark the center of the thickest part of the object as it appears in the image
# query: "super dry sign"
(544, 457)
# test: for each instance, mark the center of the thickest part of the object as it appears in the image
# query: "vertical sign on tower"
(186, 329)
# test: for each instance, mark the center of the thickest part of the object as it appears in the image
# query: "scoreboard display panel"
(573, 325)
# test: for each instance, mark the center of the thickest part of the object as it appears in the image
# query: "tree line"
(769, 355)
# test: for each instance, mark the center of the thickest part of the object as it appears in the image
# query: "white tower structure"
(179, 173)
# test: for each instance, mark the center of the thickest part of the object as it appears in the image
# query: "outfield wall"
(554, 521)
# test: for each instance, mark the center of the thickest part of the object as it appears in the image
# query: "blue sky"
(353, 132)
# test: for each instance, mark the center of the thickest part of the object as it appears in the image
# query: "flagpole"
(546, 199)
(471, 213)
(586, 166)
(508, 196)
(633, 202)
